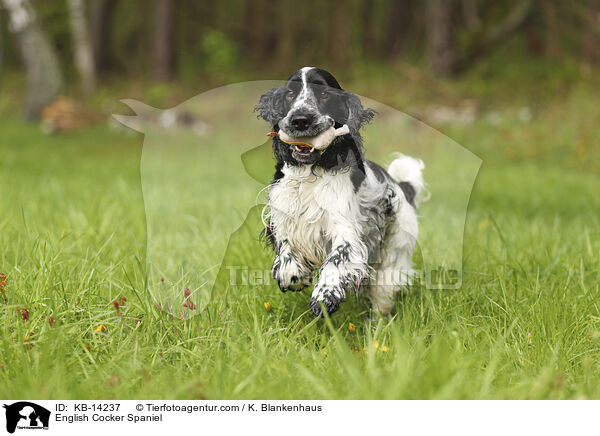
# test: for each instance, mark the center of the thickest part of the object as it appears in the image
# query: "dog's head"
(311, 102)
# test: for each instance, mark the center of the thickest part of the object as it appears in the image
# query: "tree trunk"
(100, 29)
(369, 47)
(471, 17)
(398, 26)
(497, 34)
(163, 42)
(1, 53)
(255, 30)
(590, 50)
(84, 57)
(44, 78)
(285, 40)
(533, 40)
(440, 36)
(551, 28)
(337, 38)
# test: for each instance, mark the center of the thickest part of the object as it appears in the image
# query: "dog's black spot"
(348, 283)
(383, 176)
(330, 301)
(379, 172)
(388, 201)
(289, 258)
(278, 173)
(342, 254)
(409, 192)
(318, 73)
(344, 154)
(357, 177)
(267, 237)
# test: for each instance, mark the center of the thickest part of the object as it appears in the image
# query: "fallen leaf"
(3, 282)
(113, 380)
(484, 224)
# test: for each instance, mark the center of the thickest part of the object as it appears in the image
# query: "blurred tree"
(1, 51)
(84, 56)
(285, 39)
(443, 55)
(219, 53)
(163, 40)
(440, 36)
(553, 37)
(367, 22)
(224, 37)
(533, 40)
(471, 16)
(256, 30)
(591, 38)
(44, 77)
(398, 26)
(337, 32)
(101, 12)
(494, 35)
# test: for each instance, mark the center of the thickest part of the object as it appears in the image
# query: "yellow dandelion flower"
(351, 327)
(376, 344)
(101, 329)
(267, 306)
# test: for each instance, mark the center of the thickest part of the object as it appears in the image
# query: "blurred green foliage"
(220, 52)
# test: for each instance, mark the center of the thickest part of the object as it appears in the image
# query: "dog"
(329, 209)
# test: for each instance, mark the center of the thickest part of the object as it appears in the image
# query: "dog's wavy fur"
(333, 212)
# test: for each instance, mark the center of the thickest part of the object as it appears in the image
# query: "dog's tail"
(406, 169)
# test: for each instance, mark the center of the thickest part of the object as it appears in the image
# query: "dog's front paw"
(289, 275)
(330, 296)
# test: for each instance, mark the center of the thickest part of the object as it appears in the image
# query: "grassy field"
(525, 324)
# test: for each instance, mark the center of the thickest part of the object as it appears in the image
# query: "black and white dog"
(329, 209)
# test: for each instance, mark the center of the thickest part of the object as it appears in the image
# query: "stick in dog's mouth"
(306, 144)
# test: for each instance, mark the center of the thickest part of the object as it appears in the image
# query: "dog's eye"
(323, 95)
(290, 94)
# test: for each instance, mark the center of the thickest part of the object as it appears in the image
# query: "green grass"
(525, 324)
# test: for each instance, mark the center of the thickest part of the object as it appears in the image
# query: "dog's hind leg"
(385, 286)
(394, 272)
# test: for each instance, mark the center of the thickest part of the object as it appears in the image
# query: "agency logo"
(26, 415)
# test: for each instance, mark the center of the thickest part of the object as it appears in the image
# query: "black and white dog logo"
(26, 415)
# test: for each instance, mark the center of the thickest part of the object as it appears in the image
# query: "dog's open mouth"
(305, 153)
(304, 148)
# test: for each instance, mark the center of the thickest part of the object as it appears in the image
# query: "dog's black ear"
(270, 107)
(357, 115)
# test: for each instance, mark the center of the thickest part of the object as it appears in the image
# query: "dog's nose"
(302, 121)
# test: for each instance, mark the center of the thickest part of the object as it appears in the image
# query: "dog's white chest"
(306, 207)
